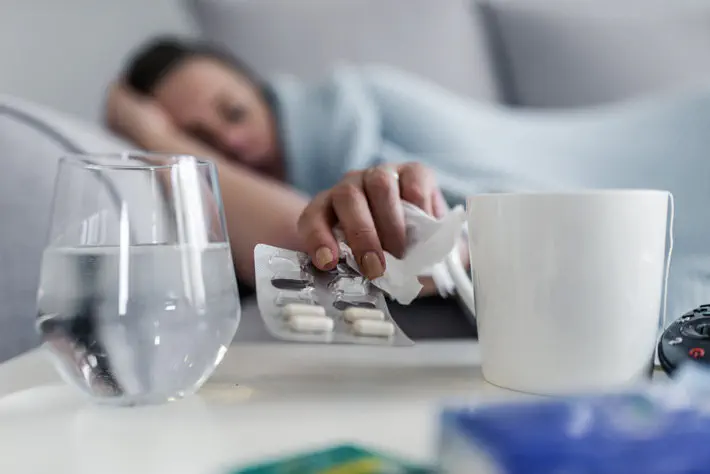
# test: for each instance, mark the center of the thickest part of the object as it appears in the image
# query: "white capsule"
(296, 309)
(354, 313)
(310, 323)
(371, 327)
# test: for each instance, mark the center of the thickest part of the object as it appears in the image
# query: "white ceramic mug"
(568, 286)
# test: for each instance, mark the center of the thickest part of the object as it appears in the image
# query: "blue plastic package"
(658, 430)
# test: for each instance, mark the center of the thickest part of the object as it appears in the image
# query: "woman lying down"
(296, 158)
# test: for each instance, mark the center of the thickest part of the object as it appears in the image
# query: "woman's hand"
(135, 117)
(367, 205)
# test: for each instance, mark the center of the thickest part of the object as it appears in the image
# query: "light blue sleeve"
(466, 143)
(328, 128)
(367, 124)
(355, 130)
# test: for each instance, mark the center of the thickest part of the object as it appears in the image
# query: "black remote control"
(686, 339)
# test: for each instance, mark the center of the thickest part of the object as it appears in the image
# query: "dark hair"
(162, 55)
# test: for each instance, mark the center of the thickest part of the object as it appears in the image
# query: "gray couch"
(563, 53)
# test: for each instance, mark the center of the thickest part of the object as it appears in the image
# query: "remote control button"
(696, 352)
(687, 317)
(696, 329)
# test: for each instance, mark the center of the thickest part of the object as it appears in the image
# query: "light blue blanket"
(359, 117)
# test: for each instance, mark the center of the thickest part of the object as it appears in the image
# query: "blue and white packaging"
(662, 429)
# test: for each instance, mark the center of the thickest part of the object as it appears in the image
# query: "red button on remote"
(696, 352)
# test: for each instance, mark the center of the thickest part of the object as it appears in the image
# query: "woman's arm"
(257, 209)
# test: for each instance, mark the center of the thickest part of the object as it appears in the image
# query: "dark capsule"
(342, 305)
(290, 284)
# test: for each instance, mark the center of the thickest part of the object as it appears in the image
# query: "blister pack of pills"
(300, 303)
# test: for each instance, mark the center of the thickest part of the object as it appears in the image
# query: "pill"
(310, 323)
(371, 327)
(353, 313)
(296, 309)
(304, 297)
(291, 284)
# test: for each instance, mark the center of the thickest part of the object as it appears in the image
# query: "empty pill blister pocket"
(300, 303)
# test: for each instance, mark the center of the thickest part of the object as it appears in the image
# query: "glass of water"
(138, 299)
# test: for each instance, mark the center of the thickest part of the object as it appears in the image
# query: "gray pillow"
(561, 53)
(32, 138)
(442, 40)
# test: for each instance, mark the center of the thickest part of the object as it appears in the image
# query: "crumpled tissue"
(429, 242)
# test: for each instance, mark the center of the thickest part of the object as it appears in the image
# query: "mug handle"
(667, 269)
(663, 317)
(462, 282)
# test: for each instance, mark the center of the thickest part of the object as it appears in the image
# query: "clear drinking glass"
(138, 299)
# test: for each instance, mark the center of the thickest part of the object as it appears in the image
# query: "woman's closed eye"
(201, 134)
(208, 138)
(234, 113)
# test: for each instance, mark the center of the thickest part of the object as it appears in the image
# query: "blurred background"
(544, 53)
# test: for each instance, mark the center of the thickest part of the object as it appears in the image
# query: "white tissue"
(429, 242)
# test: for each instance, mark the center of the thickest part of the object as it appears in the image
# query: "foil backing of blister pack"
(286, 277)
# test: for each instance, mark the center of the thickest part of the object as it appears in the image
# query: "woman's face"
(219, 106)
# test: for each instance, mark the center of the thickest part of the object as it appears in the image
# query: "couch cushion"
(32, 139)
(47, 53)
(558, 53)
(438, 39)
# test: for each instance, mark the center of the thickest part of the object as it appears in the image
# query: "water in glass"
(133, 319)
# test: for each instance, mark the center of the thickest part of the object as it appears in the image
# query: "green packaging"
(344, 459)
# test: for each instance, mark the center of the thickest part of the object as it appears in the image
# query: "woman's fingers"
(417, 185)
(353, 213)
(316, 229)
(367, 205)
(382, 189)
(439, 205)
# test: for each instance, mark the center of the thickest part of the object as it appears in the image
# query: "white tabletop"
(264, 400)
